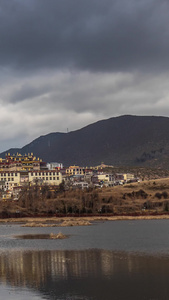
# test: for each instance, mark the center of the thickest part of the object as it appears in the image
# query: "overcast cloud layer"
(66, 64)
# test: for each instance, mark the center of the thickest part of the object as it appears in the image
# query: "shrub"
(148, 204)
(165, 195)
(158, 195)
(166, 208)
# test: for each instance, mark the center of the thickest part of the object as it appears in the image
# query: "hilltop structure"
(19, 170)
(19, 162)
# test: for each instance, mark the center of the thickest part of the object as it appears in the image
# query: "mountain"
(125, 140)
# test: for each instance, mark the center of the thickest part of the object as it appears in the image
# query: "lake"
(108, 260)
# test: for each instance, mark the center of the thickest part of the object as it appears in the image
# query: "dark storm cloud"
(87, 35)
(68, 63)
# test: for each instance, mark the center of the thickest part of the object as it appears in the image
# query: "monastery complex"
(18, 171)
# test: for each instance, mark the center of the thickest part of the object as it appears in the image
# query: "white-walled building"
(54, 165)
(50, 177)
(106, 178)
(9, 180)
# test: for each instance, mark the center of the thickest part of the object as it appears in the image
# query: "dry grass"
(89, 220)
(60, 235)
(54, 222)
(144, 198)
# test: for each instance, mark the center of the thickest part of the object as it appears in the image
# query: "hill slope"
(124, 140)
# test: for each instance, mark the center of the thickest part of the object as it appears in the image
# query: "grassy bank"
(147, 198)
(67, 221)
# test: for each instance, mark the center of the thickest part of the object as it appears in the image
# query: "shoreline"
(79, 220)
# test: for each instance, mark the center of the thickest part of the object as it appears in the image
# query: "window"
(50, 178)
(16, 174)
(46, 178)
(53, 178)
(57, 178)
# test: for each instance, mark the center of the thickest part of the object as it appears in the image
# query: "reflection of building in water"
(25, 268)
(38, 267)
(106, 262)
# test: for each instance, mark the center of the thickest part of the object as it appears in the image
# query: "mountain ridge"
(124, 140)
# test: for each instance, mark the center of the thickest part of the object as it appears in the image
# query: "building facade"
(50, 177)
(75, 170)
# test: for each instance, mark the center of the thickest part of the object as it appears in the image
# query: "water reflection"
(89, 274)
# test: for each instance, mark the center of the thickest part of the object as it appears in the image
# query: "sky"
(65, 64)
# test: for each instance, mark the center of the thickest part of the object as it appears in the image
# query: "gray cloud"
(87, 35)
(65, 64)
(75, 100)
(27, 91)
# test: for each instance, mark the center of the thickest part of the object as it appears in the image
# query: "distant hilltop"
(126, 140)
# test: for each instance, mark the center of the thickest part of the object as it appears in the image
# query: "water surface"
(109, 260)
